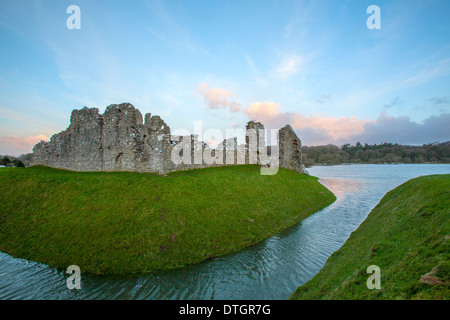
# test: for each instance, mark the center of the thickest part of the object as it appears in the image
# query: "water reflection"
(342, 187)
(272, 269)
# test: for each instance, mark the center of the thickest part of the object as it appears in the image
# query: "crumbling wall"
(77, 148)
(290, 149)
(119, 140)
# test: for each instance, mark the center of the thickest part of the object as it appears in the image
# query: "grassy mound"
(407, 235)
(127, 222)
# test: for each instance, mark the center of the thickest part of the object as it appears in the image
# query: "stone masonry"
(121, 140)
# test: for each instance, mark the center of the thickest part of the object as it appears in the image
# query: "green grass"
(127, 222)
(406, 235)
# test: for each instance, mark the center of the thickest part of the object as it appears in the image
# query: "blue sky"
(312, 64)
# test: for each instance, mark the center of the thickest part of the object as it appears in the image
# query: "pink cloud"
(14, 145)
(219, 98)
(318, 130)
(313, 130)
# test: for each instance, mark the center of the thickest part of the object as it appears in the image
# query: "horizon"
(314, 65)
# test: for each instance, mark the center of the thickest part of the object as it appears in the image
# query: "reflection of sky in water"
(342, 187)
(272, 269)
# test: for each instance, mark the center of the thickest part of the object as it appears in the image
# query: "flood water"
(272, 269)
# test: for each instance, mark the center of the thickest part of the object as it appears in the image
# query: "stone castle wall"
(121, 140)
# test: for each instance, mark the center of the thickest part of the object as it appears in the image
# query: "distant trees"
(15, 162)
(5, 161)
(382, 153)
(26, 158)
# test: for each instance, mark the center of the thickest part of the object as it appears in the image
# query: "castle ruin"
(121, 140)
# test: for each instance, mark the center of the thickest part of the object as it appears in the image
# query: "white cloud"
(289, 65)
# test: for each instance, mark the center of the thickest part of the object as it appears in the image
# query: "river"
(272, 269)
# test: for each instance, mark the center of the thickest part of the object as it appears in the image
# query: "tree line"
(376, 153)
(20, 161)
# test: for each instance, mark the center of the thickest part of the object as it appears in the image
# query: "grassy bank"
(124, 222)
(407, 235)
